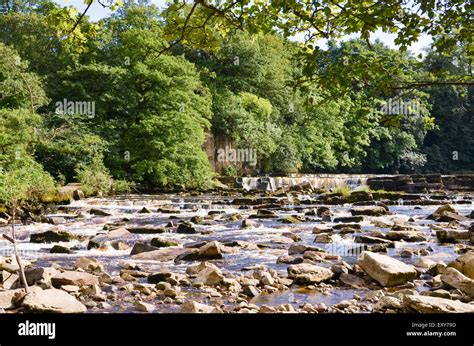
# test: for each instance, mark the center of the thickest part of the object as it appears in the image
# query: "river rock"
(352, 280)
(408, 236)
(145, 210)
(52, 300)
(191, 306)
(52, 237)
(34, 275)
(426, 304)
(212, 250)
(447, 213)
(161, 255)
(210, 276)
(74, 278)
(186, 228)
(89, 264)
(349, 219)
(9, 264)
(119, 234)
(7, 298)
(369, 211)
(456, 279)
(247, 223)
(289, 260)
(142, 247)
(60, 249)
(77, 195)
(366, 239)
(161, 242)
(465, 264)
(148, 229)
(307, 274)
(99, 212)
(144, 307)
(386, 270)
(448, 235)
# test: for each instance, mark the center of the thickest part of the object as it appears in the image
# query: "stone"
(145, 210)
(348, 219)
(119, 234)
(210, 276)
(465, 264)
(295, 249)
(160, 242)
(251, 291)
(292, 219)
(9, 264)
(99, 212)
(186, 228)
(447, 213)
(212, 250)
(307, 274)
(161, 255)
(426, 304)
(448, 235)
(323, 238)
(52, 300)
(265, 278)
(366, 239)
(77, 195)
(424, 263)
(7, 298)
(386, 270)
(247, 223)
(144, 307)
(33, 275)
(10, 280)
(168, 277)
(192, 306)
(74, 278)
(408, 236)
(452, 277)
(369, 211)
(142, 247)
(148, 229)
(60, 249)
(52, 237)
(289, 260)
(89, 264)
(352, 280)
(196, 219)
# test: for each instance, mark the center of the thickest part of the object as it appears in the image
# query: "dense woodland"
(157, 87)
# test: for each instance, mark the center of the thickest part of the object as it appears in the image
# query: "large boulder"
(427, 304)
(386, 270)
(52, 300)
(52, 237)
(465, 264)
(454, 278)
(369, 211)
(74, 278)
(307, 274)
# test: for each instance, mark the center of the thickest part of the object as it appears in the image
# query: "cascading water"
(318, 181)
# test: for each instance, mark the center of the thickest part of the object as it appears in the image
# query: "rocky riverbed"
(298, 250)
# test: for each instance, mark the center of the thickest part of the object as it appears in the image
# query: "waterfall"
(317, 181)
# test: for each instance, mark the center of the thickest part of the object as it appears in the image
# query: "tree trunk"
(17, 257)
